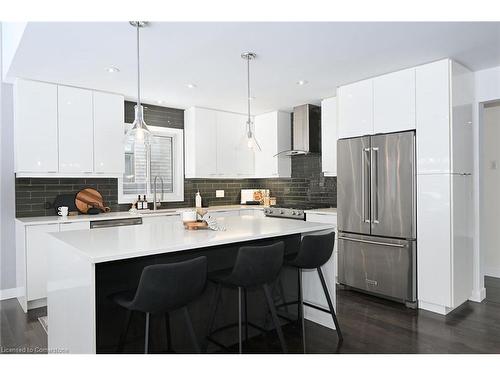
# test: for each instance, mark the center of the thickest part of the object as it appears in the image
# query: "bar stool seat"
(255, 267)
(164, 288)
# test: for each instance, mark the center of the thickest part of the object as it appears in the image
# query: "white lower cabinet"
(311, 285)
(36, 260)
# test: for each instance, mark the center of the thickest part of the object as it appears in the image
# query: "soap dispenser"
(198, 200)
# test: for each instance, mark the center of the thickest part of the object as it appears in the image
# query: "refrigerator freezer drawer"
(377, 265)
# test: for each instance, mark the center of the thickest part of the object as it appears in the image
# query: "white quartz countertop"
(38, 220)
(110, 244)
(322, 211)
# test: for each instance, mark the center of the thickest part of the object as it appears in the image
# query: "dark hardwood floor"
(369, 324)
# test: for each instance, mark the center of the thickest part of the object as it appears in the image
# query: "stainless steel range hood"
(306, 131)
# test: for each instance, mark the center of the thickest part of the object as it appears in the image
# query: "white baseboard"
(8, 293)
(492, 271)
(478, 295)
(438, 309)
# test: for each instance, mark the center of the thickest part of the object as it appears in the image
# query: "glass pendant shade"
(139, 133)
(251, 141)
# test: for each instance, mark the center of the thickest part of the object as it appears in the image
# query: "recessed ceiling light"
(159, 101)
(191, 86)
(112, 69)
(301, 82)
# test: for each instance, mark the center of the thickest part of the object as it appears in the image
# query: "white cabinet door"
(36, 259)
(80, 225)
(200, 130)
(394, 102)
(234, 159)
(329, 136)
(433, 118)
(76, 135)
(35, 127)
(434, 256)
(108, 134)
(355, 109)
(266, 131)
(273, 131)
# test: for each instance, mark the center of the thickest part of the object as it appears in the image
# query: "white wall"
(12, 33)
(490, 193)
(7, 191)
(487, 88)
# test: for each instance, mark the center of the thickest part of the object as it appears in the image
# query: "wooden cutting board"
(88, 198)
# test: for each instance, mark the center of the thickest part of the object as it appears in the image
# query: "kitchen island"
(86, 266)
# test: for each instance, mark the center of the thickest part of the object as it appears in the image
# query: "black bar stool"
(255, 267)
(164, 288)
(315, 250)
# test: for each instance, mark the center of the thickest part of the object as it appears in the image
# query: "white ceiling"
(208, 54)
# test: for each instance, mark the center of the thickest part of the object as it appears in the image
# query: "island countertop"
(117, 243)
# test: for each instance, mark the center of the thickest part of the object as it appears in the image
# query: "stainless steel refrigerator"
(376, 205)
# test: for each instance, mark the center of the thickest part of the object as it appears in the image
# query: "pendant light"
(249, 134)
(139, 133)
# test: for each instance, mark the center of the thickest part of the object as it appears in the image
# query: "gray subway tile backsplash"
(306, 184)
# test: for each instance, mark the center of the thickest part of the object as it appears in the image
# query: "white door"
(329, 136)
(433, 118)
(35, 105)
(37, 242)
(76, 130)
(108, 134)
(355, 109)
(394, 102)
(434, 258)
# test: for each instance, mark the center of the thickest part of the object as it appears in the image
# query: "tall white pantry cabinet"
(444, 97)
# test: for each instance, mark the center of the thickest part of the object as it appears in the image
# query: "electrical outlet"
(219, 193)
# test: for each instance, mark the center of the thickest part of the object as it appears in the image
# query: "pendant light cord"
(248, 94)
(138, 70)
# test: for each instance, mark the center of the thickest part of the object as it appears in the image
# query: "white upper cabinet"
(329, 136)
(355, 109)
(234, 158)
(67, 131)
(273, 131)
(108, 133)
(200, 130)
(75, 130)
(444, 118)
(394, 102)
(215, 145)
(35, 128)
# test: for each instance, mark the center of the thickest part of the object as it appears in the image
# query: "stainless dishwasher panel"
(381, 266)
(115, 223)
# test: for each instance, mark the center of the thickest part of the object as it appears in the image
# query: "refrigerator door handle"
(374, 187)
(366, 151)
(373, 242)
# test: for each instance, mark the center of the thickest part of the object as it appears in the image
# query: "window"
(164, 158)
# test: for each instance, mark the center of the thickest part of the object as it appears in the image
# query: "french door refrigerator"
(376, 208)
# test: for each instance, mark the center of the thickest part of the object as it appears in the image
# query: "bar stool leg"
(190, 328)
(123, 335)
(212, 314)
(300, 304)
(239, 322)
(146, 338)
(276, 321)
(299, 292)
(167, 329)
(246, 313)
(330, 304)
